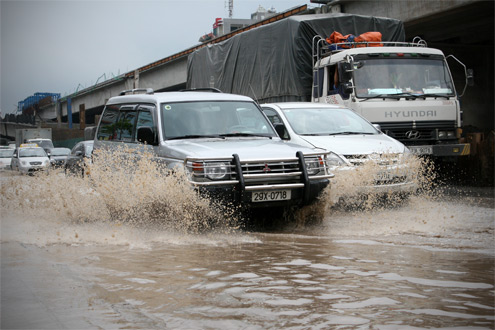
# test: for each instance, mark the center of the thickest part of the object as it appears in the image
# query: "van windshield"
(396, 76)
(32, 152)
(213, 119)
(327, 121)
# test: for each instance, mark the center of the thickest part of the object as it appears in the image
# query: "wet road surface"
(427, 264)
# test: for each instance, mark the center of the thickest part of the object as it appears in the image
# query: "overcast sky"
(65, 45)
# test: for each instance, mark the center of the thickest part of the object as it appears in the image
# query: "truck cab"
(407, 89)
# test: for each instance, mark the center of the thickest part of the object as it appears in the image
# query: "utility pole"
(231, 8)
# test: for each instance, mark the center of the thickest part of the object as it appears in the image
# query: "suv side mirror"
(145, 135)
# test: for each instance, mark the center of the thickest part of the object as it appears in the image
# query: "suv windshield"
(399, 76)
(213, 119)
(327, 121)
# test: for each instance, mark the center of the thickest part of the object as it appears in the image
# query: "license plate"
(384, 176)
(270, 195)
(421, 150)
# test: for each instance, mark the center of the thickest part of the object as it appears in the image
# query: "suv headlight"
(313, 165)
(216, 171)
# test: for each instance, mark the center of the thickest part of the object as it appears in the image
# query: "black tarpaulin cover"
(273, 63)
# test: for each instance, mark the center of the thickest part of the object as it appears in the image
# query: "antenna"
(255, 97)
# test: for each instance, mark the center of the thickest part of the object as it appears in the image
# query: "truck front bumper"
(442, 150)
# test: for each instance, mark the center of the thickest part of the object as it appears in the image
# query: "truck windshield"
(213, 119)
(45, 144)
(396, 76)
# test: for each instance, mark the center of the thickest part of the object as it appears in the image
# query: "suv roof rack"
(137, 90)
(202, 89)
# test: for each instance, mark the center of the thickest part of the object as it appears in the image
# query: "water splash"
(125, 190)
(135, 191)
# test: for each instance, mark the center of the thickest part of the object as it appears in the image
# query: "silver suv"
(226, 144)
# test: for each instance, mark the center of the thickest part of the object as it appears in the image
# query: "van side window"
(272, 116)
(108, 122)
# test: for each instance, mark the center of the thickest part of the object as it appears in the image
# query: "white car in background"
(29, 159)
(353, 141)
(6, 154)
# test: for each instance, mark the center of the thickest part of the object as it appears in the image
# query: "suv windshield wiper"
(196, 136)
(244, 134)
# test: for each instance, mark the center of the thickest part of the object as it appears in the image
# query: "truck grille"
(35, 163)
(412, 133)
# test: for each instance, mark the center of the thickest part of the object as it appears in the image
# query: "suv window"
(108, 122)
(120, 122)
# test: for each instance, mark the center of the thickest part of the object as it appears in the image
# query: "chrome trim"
(275, 186)
(271, 175)
(326, 176)
(213, 183)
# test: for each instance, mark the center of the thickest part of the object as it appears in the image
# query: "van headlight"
(217, 170)
(334, 160)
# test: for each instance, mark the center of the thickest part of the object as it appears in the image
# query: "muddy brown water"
(426, 263)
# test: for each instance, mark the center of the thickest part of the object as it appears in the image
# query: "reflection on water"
(288, 281)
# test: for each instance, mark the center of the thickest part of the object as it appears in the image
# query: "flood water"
(425, 263)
